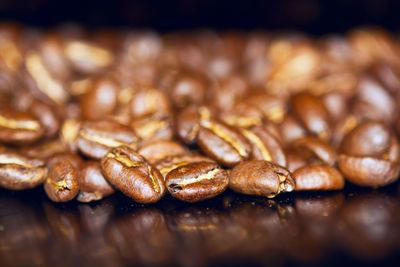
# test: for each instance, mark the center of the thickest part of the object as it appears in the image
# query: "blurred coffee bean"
(312, 113)
(148, 102)
(260, 178)
(92, 184)
(197, 181)
(19, 128)
(46, 149)
(320, 149)
(95, 139)
(18, 172)
(317, 177)
(133, 175)
(101, 99)
(153, 127)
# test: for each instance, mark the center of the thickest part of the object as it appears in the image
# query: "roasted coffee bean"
(188, 89)
(95, 139)
(197, 181)
(368, 171)
(87, 57)
(133, 175)
(318, 177)
(260, 178)
(291, 129)
(18, 172)
(320, 149)
(158, 150)
(73, 158)
(166, 165)
(61, 184)
(101, 99)
(223, 143)
(69, 133)
(312, 113)
(367, 139)
(92, 184)
(45, 149)
(187, 123)
(47, 117)
(41, 83)
(148, 102)
(264, 145)
(154, 127)
(19, 128)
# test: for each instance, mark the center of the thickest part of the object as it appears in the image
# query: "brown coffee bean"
(291, 129)
(41, 83)
(260, 178)
(187, 123)
(69, 133)
(229, 91)
(154, 127)
(73, 158)
(188, 89)
(297, 158)
(95, 139)
(19, 128)
(312, 113)
(92, 184)
(197, 181)
(47, 117)
(133, 175)
(148, 102)
(87, 57)
(368, 171)
(318, 177)
(61, 184)
(320, 149)
(158, 150)
(223, 143)
(18, 172)
(166, 165)
(101, 99)
(367, 139)
(264, 145)
(45, 149)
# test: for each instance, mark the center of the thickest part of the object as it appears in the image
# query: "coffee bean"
(167, 164)
(291, 129)
(223, 143)
(320, 149)
(317, 177)
(61, 184)
(92, 184)
(95, 139)
(368, 171)
(367, 139)
(197, 181)
(187, 124)
(312, 113)
(101, 98)
(260, 178)
(264, 145)
(133, 175)
(19, 128)
(154, 127)
(45, 150)
(69, 133)
(47, 117)
(148, 102)
(87, 57)
(158, 150)
(18, 172)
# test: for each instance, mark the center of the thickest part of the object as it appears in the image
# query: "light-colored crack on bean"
(30, 125)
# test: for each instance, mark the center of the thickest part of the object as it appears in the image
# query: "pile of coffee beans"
(85, 114)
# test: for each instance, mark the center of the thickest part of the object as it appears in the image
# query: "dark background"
(312, 16)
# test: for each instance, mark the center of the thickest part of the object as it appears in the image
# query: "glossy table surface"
(357, 226)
